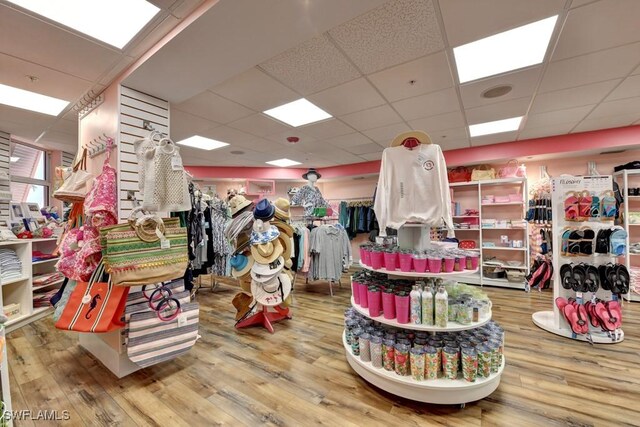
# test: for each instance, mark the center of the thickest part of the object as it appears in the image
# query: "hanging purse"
(459, 174)
(482, 173)
(94, 306)
(512, 169)
(74, 187)
(100, 205)
(147, 252)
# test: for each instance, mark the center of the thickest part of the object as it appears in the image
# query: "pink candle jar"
(391, 259)
(406, 260)
(377, 258)
(366, 255)
(420, 262)
(388, 304)
(374, 297)
(449, 263)
(461, 263)
(364, 298)
(355, 291)
(473, 260)
(435, 263)
(402, 307)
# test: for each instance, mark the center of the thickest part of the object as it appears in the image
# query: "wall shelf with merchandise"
(630, 213)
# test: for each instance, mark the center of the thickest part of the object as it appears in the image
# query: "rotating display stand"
(416, 275)
(553, 321)
(440, 391)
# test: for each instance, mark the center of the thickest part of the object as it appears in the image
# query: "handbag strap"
(82, 162)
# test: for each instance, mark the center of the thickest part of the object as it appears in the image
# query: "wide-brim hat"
(264, 210)
(272, 292)
(312, 171)
(237, 204)
(242, 243)
(283, 227)
(266, 253)
(242, 303)
(264, 272)
(421, 136)
(245, 283)
(265, 234)
(282, 206)
(241, 264)
(286, 246)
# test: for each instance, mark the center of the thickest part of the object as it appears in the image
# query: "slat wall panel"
(135, 107)
(67, 159)
(5, 147)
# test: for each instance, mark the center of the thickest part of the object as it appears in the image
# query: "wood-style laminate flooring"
(299, 376)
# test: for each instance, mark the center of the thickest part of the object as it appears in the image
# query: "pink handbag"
(512, 169)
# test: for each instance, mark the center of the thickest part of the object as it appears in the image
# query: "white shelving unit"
(514, 210)
(440, 391)
(630, 203)
(20, 290)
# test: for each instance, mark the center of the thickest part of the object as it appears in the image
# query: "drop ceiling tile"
(347, 98)
(498, 111)
(591, 68)
(281, 138)
(369, 157)
(578, 3)
(431, 104)
(469, 20)
(385, 134)
(371, 147)
(213, 107)
(326, 129)
(351, 140)
(66, 140)
(372, 118)
(572, 97)
(455, 144)
(260, 125)
(630, 87)
(24, 123)
(601, 25)
(523, 84)
(544, 131)
(240, 140)
(619, 107)
(444, 136)
(256, 90)
(184, 125)
(439, 122)
(50, 82)
(311, 66)
(493, 139)
(606, 122)
(39, 42)
(395, 32)
(337, 155)
(430, 73)
(66, 126)
(570, 115)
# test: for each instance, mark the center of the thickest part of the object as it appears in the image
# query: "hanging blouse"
(309, 197)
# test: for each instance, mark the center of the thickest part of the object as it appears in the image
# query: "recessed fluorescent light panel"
(114, 22)
(283, 163)
(502, 52)
(14, 159)
(499, 126)
(19, 98)
(202, 143)
(298, 113)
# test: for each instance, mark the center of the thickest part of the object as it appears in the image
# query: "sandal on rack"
(586, 244)
(584, 205)
(608, 206)
(576, 315)
(592, 280)
(571, 207)
(566, 276)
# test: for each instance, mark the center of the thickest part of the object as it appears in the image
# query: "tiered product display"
(586, 250)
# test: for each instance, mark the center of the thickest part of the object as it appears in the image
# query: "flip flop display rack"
(588, 257)
(471, 372)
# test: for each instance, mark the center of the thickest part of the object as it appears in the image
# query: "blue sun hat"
(263, 232)
(240, 265)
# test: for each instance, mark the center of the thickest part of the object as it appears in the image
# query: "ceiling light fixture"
(96, 18)
(283, 163)
(14, 159)
(498, 126)
(298, 113)
(517, 48)
(202, 143)
(27, 100)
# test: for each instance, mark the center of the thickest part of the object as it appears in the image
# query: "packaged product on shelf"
(417, 363)
(351, 325)
(464, 314)
(427, 305)
(402, 307)
(431, 362)
(416, 306)
(453, 309)
(374, 299)
(441, 310)
(355, 341)
(469, 364)
(376, 351)
(484, 361)
(495, 356)
(388, 354)
(450, 361)
(365, 349)
(401, 354)
(500, 346)
(388, 304)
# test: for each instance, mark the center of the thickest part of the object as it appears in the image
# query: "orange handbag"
(94, 306)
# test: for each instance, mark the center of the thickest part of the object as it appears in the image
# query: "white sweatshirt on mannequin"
(413, 187)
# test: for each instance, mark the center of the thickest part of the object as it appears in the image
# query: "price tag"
(182, 320)
(165, 244)
(176, 163)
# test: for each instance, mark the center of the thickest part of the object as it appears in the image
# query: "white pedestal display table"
(439, 391)
(553, 321)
